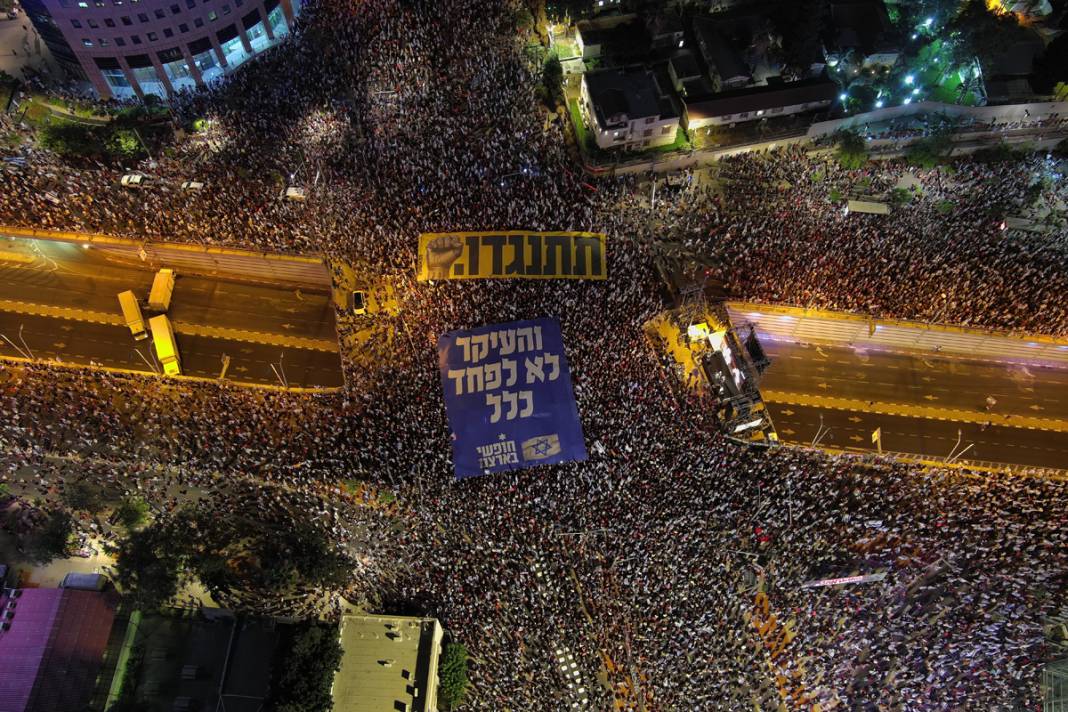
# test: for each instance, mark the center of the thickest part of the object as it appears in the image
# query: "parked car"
(135, 180)
(359, 302)
(192, 185)
(294, 193)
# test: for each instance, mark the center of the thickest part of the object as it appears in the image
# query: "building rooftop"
(806, 91)
(623, 94)
(53, 649)
(719, 55)
(685, 64)
(389, 662)
(862, 25)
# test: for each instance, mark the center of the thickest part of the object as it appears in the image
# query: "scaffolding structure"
(1055, 686)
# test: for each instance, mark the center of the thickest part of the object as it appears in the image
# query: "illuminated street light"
(909, 79)
(928, 22)
(879, 104)
(843, 97)
(908, 100)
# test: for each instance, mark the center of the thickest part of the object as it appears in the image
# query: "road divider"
(215, 332)
(979, 417)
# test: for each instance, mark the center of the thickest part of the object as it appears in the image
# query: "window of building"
(120, 42)
(152, 37)
(116, 3)
(198, 22)
(149, 80)
(208, 66)
(83, 4)
(666, 130)
(168, 32)
(177, 71)
(75, 23)
(190, 4)
(103, 42)
(233, 50)
(125, 19)
(175, 9)
(777, 110)
(647, 133)
(239, 3)
(117, 82)
(743, 115)
(212, 16)
(257, 37)
(108, 22)
(93, 23)
(160, 14)
(142, 17)
(183, 28)
(136, 39)
(226, 9)
(277, 21)
(99, 3)
(86, 42)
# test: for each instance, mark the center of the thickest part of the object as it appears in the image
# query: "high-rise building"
(138, 47)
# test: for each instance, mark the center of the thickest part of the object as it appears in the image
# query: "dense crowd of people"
(649, 562)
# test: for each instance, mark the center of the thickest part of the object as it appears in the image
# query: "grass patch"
(817, 176)
(835, 196)
(944, 207)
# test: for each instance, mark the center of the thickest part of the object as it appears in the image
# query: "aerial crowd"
(669, 565)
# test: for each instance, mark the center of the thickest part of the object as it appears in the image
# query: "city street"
(63, 298)
(920, 401)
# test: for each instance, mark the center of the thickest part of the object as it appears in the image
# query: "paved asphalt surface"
(82, 342)
(926, 382)
(66, 275)
(934, 438)
(895, 377)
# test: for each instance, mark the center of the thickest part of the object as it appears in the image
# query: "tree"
(302, 554)
(929, 151)
(552, 78)
(801, 24)
(83, 496)
(1051, 67)
(124, 143)
(51, 538)
(983, 33)
(147, 567)
(452, 675)
(131, 512)
(70, 139)
(852, 152)
(306, 671)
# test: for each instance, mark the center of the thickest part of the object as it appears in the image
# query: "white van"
(294, 193)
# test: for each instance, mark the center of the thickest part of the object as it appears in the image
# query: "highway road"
(252, 323)
(920, 402)
(934, 438)
(898, 377)
(107, 345)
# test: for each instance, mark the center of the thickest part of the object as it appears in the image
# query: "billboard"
(508, 397)
(512, 255)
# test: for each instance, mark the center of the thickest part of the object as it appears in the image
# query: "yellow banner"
(512, 254)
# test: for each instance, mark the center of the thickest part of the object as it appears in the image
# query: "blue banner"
(508, 397)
